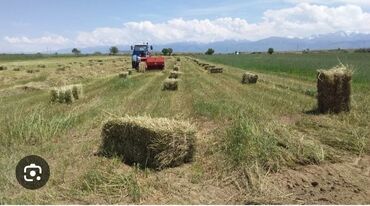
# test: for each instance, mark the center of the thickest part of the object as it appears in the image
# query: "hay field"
(302, 66)
(255, 143)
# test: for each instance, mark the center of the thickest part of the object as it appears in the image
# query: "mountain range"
(335, 40)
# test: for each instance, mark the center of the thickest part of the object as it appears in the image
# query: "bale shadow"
(313, 111)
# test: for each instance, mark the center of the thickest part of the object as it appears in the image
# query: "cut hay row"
(249, 78)
(334, 89)
(67, 94)
(333, 86)
(150, 142)
(170, 84)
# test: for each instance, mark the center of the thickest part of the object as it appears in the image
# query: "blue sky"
(34, 25)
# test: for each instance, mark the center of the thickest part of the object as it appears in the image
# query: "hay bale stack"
(334, 89)
(66, 94)
(123, 75)
(174, 75)
(150, 142)
(249, 78)
(215, 70)
(3, 68)
(170, 84)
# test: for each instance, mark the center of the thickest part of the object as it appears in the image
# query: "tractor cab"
(141, 50)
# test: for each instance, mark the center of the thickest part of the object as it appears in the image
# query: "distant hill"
(336, 40)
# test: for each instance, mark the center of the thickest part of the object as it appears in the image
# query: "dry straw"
(142, 67)
(334, 89)
(249, 78)
(170, 84)
(150, 142)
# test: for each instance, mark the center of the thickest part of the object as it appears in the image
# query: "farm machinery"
(141, 54)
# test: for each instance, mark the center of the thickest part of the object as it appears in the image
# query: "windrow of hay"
(249, 78)
(170, 84)
(150, 142)
(66, 94)
(123, 75)
(334, 89)
(215, 70)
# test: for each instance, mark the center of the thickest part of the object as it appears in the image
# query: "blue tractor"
(141, 53)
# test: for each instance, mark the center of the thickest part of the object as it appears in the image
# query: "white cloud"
(301, 20)
(53, 40)
(331, 2)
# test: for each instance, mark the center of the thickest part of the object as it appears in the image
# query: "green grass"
(303, 66)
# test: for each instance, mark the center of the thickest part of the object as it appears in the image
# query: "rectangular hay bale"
(67, 94)
(249, 78)
(174, 75)
(150, 142)
(334, 89)
(215, 70)
(170, 84)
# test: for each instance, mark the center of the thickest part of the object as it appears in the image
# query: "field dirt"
(339, 183)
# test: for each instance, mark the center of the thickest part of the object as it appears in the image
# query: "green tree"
(76, 52)
(270, 51)
(210, 51)
(170, 51)
(113, 50)
(165, 51)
